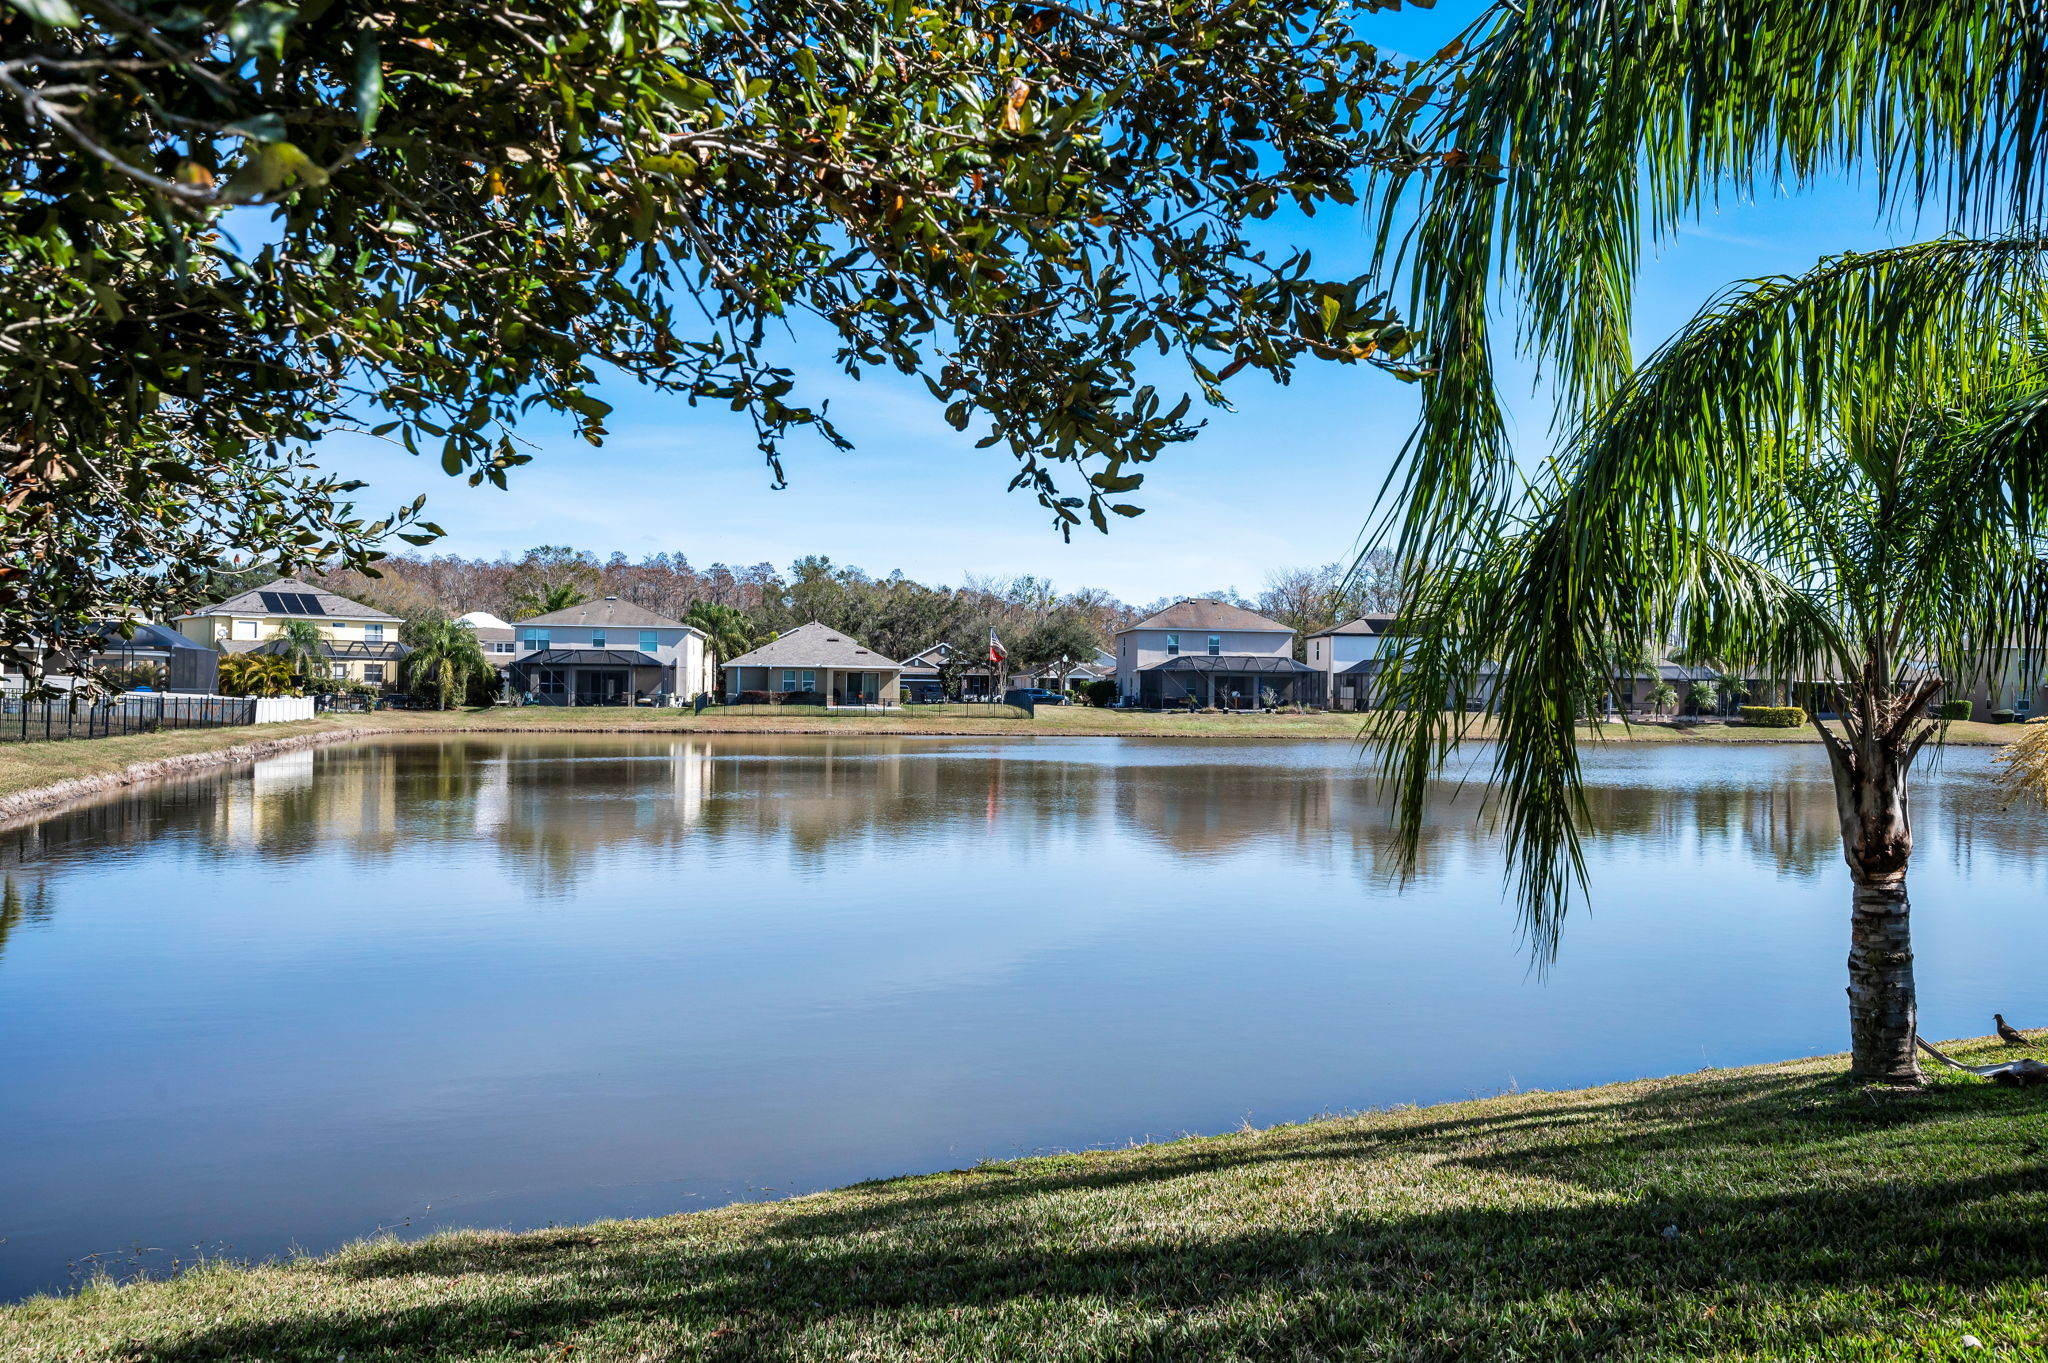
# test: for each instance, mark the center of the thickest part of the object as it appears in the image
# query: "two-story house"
(1349, 657)
(1212, 653)
(360, 642)
(497, 639)
(609, 652)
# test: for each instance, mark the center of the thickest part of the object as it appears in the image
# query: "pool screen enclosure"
(1229, 682)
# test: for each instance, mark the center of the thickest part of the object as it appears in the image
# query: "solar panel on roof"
(309, 604)
(273, 602)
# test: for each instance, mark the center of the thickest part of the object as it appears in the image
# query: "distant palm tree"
(558, 597)
(445, 659)
(302, 646)
(732, 631)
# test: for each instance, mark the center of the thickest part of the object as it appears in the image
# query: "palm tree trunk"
(1877, 842)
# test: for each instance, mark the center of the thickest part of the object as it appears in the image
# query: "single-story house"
(1212, 653)
(608, 652)
(359, 642)
(921, 674)
(816, 660)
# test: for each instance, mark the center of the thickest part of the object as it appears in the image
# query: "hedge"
(1952, 710)
(1773, 716)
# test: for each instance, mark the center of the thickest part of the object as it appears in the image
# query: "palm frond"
(1561, 131)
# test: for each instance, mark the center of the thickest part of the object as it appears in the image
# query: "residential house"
(1212, 653)
(158, 657)
(609, 652)
(980, 679)
(1349, 657)
(817, 660)
(360, 643)
(495, 637)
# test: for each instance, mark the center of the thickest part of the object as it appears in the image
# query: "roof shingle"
(813, 645)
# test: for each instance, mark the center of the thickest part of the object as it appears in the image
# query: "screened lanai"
(1229, 682)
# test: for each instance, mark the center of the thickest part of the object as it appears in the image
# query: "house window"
(1215, 645)
(810, 681)
(597, 639)
(649, 641)
(501, 646)
(534, 639)
(373, 634)
(373, 672)
(1172, 644)
(788, 680)
(548, 681)
(245, 629)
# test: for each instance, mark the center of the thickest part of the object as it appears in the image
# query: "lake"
(507, 982)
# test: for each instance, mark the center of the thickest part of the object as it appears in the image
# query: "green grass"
(1814, 1220)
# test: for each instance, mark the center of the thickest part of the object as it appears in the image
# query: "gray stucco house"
(1212, 653)
(608, 652)
(816, 660)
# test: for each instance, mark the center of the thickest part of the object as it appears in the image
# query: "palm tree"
(559, 596)
(445, 659)
(1554, 135)
(1774, 485)
(730, 629)
(302, 646)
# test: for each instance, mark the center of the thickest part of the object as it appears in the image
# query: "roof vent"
(611, 598)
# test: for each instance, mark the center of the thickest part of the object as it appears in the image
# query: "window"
(534, 639)
(373, 672)
(649, 641)
(1172, 644)
(373, 634)
(547, 681)
(597, 638)
(1215, 644)
(810, 681)
(788, 680)
(245, 629)
(501, 646)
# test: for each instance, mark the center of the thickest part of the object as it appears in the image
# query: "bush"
(2001, 716)
(1952, 710)
(1100, 693)
(1773, 716)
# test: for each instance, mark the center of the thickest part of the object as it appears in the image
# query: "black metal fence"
(45, 721)
(942, 710)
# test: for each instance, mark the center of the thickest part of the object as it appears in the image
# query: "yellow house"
(361, 642)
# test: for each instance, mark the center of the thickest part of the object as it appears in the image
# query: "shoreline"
(37, 779)
(1766, 1211)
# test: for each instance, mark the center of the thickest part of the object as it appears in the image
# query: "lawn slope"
(1772, 1213)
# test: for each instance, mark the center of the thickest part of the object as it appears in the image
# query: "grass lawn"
(30, 766)
(1769, 1213)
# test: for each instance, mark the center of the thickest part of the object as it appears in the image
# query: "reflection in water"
(516, 980)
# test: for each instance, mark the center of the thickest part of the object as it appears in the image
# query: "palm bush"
(256, 674)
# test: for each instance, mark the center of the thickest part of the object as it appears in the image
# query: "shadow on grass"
(1802, 1207)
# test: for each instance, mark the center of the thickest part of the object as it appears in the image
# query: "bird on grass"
(2009, 1034)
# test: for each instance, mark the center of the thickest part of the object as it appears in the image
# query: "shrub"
(1952, 710)
(2001, 716)
(1773, 716)
(1100, 693)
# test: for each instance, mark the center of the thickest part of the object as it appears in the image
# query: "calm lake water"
(507, 982)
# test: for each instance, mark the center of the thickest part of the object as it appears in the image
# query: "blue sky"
(1287, 478)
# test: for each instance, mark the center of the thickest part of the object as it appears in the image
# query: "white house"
(609, 652)
(1214, 654)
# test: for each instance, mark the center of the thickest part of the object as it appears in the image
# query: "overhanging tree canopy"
(228, 228)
